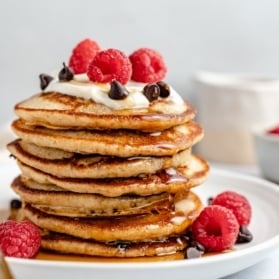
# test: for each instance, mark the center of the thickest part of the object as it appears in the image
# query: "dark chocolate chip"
(164, 89)
(189, 235)
(197, 245)
(120, 244)
(123, 245)
(151, 91)
(192, 253)
(117, 91)
(209, 200)
(15, 204)
(45, 80)
(244, 235)
(66, 74)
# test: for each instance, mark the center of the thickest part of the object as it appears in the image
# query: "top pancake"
(61, 111)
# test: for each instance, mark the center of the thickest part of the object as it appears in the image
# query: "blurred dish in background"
(229, 105)
(266, 140)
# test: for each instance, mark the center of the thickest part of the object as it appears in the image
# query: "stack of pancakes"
(109, 183)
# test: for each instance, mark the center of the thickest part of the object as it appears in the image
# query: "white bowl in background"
(267, 152)
(229, 105)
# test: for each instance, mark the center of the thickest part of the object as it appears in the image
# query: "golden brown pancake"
(80, 212)
(56, 200)
(156, 225)
(72, 245)
(169, 180)
(120, 143)
(66, 164)
(56, 111)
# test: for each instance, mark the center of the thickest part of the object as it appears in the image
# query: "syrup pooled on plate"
(51, 256)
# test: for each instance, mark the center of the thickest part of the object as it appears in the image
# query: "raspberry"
(6, 226)
(19, 239)
(148, 65)
(274, 130)
(82, 55)
(216, 228)
(109, 65)
(239, 205)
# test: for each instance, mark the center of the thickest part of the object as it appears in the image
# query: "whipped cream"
(82, 87)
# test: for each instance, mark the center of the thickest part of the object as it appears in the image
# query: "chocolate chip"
(164, 89)
(192, 252)
(189, 236)
(209, 200)
(123, 245)
(15, 204)
(151, 91)
(117, 91)
(45, 80)
(197, 245)
(244, 235)
(194, 249)
(120, 244)
(66, 74)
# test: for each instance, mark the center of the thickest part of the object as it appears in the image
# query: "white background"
(192, 35)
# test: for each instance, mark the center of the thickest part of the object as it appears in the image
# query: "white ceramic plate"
(263, 195)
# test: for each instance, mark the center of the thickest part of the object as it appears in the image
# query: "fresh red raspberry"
(82, 55)
(109, 65)
(274, 130)
(148, 65)
(216, 228)
(239, 205)
(19, 239)
(6, 226)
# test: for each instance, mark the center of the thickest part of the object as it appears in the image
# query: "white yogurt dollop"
(82, 87)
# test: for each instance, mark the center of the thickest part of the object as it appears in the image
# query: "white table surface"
(267, 269)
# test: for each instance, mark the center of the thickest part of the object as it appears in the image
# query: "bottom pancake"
(153, 226)
(71, 245)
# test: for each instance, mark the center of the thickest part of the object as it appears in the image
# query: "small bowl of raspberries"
(266, 143)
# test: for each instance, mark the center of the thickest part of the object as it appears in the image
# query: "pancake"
(82, 212)
(120, 143)
(156, 226)
(61, 111)
(56, 200)
(66, 164)
(71, 245)
(169, 180)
